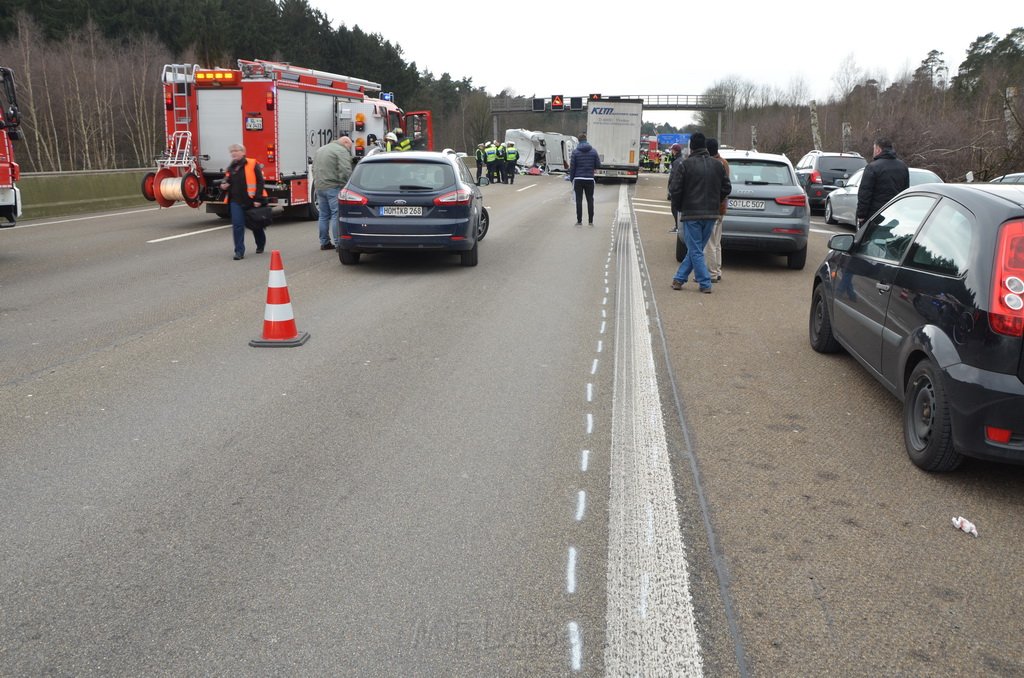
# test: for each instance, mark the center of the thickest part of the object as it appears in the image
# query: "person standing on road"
(243, 190)
(698, 185)
(502, 170)
(713, 251)
(884, 177)
(332, 166)
(491, 156)
(675, 152)
(481, 160)
(585, 160)
(511, 159)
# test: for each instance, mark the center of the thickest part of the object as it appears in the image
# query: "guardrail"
(51, 194)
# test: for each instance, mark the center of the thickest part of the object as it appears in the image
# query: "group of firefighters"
(393, 141)
(499, 159)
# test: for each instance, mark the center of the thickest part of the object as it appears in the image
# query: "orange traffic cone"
(278, 319)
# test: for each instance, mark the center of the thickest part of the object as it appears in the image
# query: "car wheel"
(469, 257)
(348, 257)
(312, 212)
(927, 431)
(797, 260)
(680, 249)
(829, 219)
(822, 339)
(485, 223)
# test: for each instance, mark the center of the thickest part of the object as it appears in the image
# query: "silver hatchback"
(767, 210)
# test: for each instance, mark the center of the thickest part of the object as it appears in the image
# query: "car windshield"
(759, 172)
(403, 176)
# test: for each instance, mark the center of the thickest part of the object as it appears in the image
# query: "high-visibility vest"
(491, 152)
(511, 154)
(250, 180)
(404, 144)
(480, 155)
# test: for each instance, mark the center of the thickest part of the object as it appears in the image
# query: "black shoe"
(328, 246)
(579, 223)
(259, 250)
(705, 290)
(239, 257)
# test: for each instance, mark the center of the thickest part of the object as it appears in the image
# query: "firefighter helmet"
(390, 136)
(398, 130)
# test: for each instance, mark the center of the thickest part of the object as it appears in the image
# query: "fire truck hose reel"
(170, 189)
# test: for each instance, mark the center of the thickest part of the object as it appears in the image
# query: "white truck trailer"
(613, 128)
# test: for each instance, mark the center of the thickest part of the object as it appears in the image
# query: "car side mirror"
(842, 242)
(840, 182)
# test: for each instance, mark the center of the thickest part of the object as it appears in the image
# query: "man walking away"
(697, 185)
(713, 252)
(585, 160)
(884, 177)
(332, 166)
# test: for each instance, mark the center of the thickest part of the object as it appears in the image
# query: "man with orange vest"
(243, 190)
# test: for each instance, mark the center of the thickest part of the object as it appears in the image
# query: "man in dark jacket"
(697, 187)
(884, 177)
(581, 173)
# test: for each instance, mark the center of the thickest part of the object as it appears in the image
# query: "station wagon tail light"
(1006, 315)
(793, 200)
(459, 197)
(349, 197)
(815, 177)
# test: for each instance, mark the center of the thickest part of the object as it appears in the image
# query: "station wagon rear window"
(401, 177)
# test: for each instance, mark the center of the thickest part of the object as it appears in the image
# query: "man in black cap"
(884, 177)
(697, 186)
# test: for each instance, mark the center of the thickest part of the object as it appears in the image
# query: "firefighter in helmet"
(404, 143)
(390, 142)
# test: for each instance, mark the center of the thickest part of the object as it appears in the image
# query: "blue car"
(928, 296)
(412, 201)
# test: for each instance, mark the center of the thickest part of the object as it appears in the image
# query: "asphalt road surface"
(549, 464)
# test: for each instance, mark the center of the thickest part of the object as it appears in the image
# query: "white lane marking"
(105, 215)
(590, 393)
(650, 524)
(570, 571)
(604, 326)
(604, 313)
(600, 346)
(581, 505)
(593, 368)
(641, 576)
(828, 231)
(190, 233)
(604, 302)
(590, 423)
(664, 211)
(526, 188)
(584, 460)
(575, 646)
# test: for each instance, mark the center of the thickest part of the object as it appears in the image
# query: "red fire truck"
(280, 113)
(10, 196)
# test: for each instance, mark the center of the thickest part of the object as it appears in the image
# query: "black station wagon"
(929, 297)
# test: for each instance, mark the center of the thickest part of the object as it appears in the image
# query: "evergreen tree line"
(88, 73)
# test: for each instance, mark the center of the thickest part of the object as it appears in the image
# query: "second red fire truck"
(280, 113)
(10, 196)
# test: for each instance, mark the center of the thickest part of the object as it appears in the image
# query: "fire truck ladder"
(179, 151)
(289, 72)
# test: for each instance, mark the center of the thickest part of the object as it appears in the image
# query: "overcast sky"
(658, 47)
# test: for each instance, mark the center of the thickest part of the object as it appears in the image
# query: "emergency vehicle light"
(270, 100)
(360, 122)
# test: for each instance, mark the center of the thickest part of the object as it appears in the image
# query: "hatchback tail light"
(348, 197)
(461, 196)
(1006, 312)
(815, 177)
(793, 200)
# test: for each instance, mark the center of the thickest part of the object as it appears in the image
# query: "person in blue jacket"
(581, 173)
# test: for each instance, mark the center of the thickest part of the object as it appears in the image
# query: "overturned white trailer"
(549, 151)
